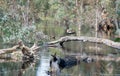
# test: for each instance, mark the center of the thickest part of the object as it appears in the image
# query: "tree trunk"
(79, 17)
(85, 39)
(8, 50)
(96, 23)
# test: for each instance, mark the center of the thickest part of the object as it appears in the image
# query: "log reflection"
(25, 64)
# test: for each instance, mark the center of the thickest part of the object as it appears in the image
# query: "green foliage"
(7, 25)
(62, 9)
(42, 4)
(117, 39)
(12, 30)
(52, 30)
(22, 2)
(49, 15)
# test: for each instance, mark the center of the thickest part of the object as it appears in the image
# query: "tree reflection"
(110, 68)
(25, 64)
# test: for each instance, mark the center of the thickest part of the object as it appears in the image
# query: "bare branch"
(89, 39)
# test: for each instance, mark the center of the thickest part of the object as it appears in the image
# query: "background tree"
(21, 19)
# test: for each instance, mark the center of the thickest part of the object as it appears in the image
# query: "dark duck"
(88, 60)
(57, 63)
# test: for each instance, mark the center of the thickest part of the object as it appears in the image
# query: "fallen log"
(9, 50)
(20, 47)
(86, 39)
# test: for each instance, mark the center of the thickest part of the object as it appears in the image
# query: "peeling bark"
(9, 50)
(20, 47)
(86, 39)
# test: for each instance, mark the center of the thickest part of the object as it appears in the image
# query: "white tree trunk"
(79, 17)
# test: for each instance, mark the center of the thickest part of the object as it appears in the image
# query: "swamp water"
(39, 68)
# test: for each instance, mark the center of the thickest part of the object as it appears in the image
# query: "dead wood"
(86, 39)
(100, 58)
(9, 50)
(20, 47)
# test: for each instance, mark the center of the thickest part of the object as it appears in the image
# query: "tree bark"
(21, 47)
(85, 39)
(9, 50)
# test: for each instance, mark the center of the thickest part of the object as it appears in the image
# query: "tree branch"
(85, 39)
(9, 50)
(22, 47)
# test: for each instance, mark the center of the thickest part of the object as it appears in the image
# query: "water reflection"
(25, 65)
(98, 68)
(89, 48)
(9, 68)
(92, 69)
(44, 64)
(16, 68)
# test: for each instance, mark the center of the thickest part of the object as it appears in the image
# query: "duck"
(57, 63)
(88, 60)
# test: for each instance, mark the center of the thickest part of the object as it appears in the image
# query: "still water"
(41, 65)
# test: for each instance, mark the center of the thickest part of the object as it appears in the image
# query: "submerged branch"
(85, 39)
(100, 58)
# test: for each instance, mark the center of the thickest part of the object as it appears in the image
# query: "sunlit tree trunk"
(27, 13)
(79, 15)
(117, 20)
(96, 27)
(96, 22)
(46, 22)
